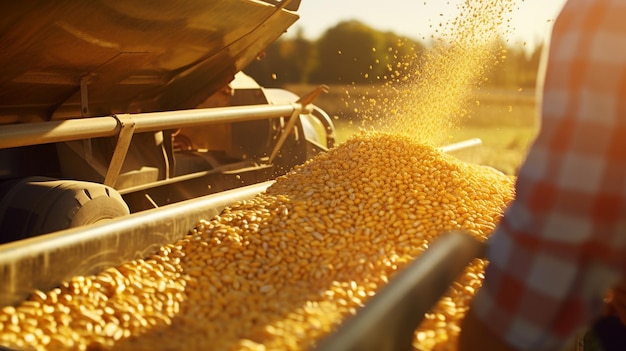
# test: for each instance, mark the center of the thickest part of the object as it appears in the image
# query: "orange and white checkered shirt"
(562, 243)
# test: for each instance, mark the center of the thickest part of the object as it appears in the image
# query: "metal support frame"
(298, 107)
(84, 95)
(127, 129)
(285, 132)
(16, 135)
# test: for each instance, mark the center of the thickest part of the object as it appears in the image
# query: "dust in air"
(426, 95)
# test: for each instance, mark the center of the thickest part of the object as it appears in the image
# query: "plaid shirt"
(562, 243)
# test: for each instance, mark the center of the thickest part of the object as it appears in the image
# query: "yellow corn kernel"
(280, 271)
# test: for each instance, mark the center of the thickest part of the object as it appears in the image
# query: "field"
(505, 120)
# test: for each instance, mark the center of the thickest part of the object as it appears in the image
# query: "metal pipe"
(42, 262)
(461, 145)
(467, 150)
(16, 135)
(148, 122)
(388, 321)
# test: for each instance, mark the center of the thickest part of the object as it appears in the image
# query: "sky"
(531, 19)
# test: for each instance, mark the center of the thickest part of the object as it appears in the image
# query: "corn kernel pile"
(282, 270)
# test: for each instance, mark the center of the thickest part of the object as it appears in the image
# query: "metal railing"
(389, 319)
(44, 261)
(16, 135)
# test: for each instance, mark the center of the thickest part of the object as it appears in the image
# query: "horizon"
(530, 21)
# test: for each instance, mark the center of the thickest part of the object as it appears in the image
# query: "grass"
(505, 120)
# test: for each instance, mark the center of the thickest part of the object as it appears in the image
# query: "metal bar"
(284, 133)
(304, 100)
(388, 321)
(84, 96)
(461, 145)
(16, 135)
(469, 150)
(149, 122)
(127, 126)
(42, 262)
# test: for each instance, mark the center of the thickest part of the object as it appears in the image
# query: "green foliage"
(514, 67)
(353, 53)
(285, 61)
(347, 53)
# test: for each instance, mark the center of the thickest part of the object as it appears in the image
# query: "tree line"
(352, 52)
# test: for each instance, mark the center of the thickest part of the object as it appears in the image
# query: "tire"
(36, 205)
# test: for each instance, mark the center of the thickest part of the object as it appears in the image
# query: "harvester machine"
(124, 123)
(114, 107)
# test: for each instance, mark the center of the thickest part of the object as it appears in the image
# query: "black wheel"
(36, 205)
